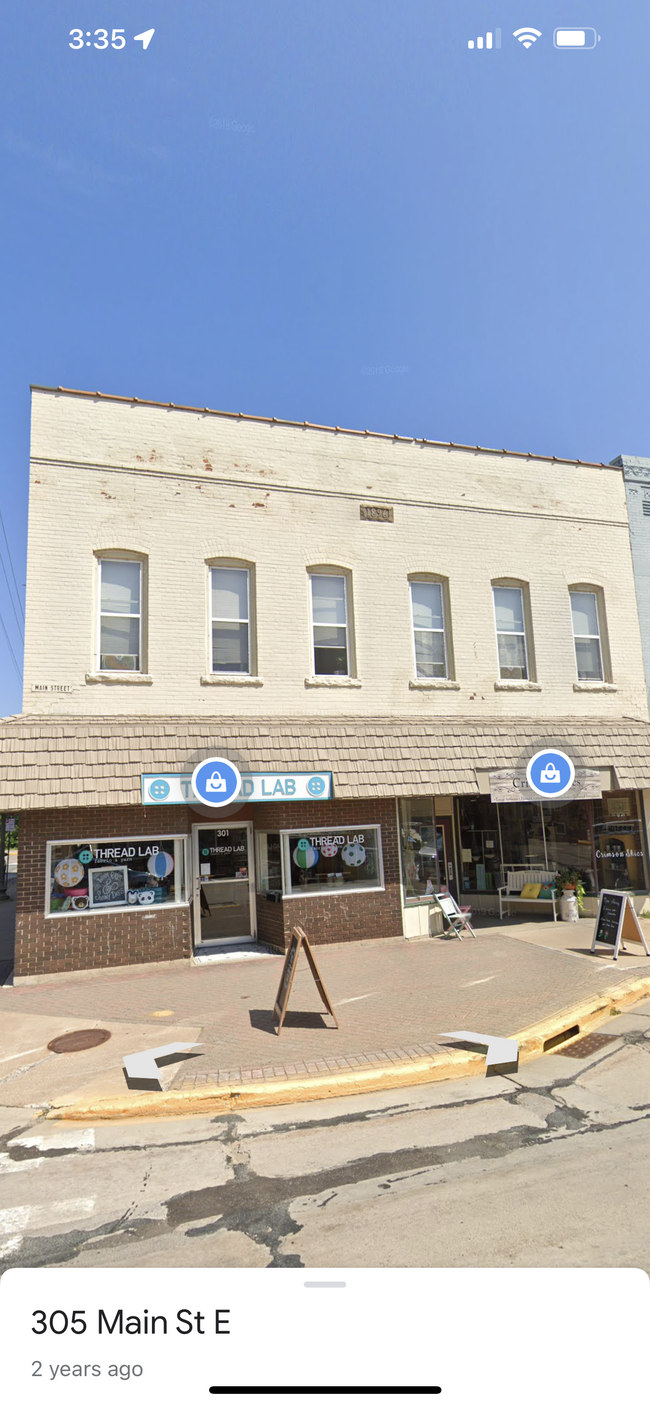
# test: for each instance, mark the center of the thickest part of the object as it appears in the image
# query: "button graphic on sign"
(316, 786)
(550, 773)
(159, 790)
(216, 781)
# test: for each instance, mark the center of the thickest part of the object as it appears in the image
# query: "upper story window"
(330, 629)
(510, 618)
(587, 634)
(429, 634)
(230, 620)
(120, 614)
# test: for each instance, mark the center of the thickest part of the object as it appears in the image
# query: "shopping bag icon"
(216, 782)
(550, 772)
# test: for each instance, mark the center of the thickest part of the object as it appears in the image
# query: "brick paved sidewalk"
(392, 998)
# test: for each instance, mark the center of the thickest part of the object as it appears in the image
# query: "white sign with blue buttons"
(550, 773)
(168, 788)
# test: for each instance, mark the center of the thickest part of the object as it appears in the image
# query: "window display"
(420, 866)
(601, 840)
(89, 875)
(619, 844)
(330, 860)
(480, 850)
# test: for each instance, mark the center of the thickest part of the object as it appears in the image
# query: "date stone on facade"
(370, 513)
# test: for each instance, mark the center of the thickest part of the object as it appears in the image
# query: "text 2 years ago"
(123, 1370)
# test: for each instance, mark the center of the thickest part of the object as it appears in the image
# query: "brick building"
(379, 631)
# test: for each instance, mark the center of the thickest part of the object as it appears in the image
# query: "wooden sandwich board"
(298, 939)
(616, 922)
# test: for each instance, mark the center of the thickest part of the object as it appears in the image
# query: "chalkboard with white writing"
(617, 923)
(610, 917)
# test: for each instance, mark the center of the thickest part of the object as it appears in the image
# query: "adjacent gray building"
(636, 474)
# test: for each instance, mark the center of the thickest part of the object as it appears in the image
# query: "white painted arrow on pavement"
(144, 1064)
(500, 1052)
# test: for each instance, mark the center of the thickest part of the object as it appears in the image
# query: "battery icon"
(575, 38)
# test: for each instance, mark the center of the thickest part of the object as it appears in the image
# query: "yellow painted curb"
(557, 1030)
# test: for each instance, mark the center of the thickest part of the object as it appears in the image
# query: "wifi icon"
(527, 36)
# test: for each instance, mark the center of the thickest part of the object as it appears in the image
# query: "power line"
(13, 572)
(20, 628)
(9, 645)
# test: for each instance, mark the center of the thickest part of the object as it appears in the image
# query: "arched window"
(121, 615)
(231, 623)
(589, 633)
(430, 624)
(330, 601)
(512, 618)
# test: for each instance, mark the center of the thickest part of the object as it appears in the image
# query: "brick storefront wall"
(334, 917)
(80, 941)
(112, 939)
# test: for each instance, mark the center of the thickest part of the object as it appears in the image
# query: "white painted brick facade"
(185, 488)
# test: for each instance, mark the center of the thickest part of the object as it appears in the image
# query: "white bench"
(510, 892)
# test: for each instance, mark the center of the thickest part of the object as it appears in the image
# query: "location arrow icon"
(145, 38)
(144, 1065)
(502, 1055)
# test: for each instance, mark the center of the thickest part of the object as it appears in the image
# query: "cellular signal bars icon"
(488, 40)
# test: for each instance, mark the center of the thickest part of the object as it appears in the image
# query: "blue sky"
(332, 212)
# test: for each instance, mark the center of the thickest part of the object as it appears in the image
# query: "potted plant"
(568, 883)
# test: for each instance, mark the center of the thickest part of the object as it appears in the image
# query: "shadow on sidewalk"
(302, 1020)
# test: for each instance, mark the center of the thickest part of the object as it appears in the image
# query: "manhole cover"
(588, 1045)
(78, 1040)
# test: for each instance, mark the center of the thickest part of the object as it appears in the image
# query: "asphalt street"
(548, 1167)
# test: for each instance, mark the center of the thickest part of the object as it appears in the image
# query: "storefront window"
(420, 870)
(569, 839)
(326, 861)
(522, 839)
(479, 844)
(619, 843)
(94, 875)
(603, 840)
(269, 863)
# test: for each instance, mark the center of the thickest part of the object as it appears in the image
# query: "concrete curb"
(553, 1032)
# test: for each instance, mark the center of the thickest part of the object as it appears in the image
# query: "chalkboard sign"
(108, 887)
(298, 940)
(610, 917)
(616, 919)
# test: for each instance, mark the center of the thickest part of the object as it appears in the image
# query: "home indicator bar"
(326, 1390)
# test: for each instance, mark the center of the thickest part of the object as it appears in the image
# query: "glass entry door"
(445, 847)
(224, 901)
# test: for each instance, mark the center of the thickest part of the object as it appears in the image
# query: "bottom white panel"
(464, 1337)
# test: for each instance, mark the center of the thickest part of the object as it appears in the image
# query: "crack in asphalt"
(259, 1207)
(218, 1203)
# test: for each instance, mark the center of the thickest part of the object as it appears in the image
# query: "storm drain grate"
(78, 1040)
(590, 1044)
(564, 1035)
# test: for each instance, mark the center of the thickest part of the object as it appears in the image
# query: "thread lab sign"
(170, 789)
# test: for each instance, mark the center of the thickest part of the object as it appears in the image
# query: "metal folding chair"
(457, 921)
